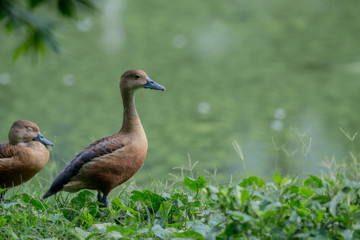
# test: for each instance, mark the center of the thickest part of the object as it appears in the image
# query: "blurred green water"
(261, 73)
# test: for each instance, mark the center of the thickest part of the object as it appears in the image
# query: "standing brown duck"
(110, 161)
(23, 156)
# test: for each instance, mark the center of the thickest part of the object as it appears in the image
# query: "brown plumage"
(110, 161)
(24, 156)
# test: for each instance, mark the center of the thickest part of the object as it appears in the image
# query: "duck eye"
(137, 76)
(28, 129)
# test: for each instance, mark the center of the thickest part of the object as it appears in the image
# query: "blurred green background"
(278, 77)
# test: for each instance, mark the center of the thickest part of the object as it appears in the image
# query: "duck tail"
(48, 193)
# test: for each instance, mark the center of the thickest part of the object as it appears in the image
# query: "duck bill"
(43, 140)
(153, 85)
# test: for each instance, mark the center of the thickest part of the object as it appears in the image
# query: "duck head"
(135, 79)
(23, 131)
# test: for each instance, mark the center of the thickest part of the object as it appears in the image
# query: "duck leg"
(2, 196)
(102, 199)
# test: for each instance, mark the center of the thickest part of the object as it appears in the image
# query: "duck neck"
(131, 120)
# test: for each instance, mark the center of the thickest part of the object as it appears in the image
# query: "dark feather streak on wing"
(99, 148)
(7, 150)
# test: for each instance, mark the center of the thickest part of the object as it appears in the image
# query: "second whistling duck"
(23, 156)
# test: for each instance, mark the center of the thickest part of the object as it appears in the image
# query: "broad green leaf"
(246, 182)
(233, 229)
(285, 181)
(158, 231)
(277, 178)
(195, 184)
(118, 203)
(242, 216)
(319, 215)
(149, 198)
(189, 234)
(244, 196)
(317, 181)
(82, 199)
(4, 220)
(306, 192)
(54, 217)
(333, 205)
(322, 198)
(292, 189)
(165, 208)
(200, 227)
(272, 206)
(302, 211)
(216, 219)
(354, 208)
(37, 204)
(347, 234)
(82, 233)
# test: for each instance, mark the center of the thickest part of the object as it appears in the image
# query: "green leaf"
(318, 182)
(34, 202)
(37, 204)
(246, 182)
(67, 8)
(81, 232)
(149, 198)
(165, 208)
(195, 185)
(4, 220)
(333, 205)
(189, 234)
(233, 229)
(244, 196)
(82, 199)
(322, 198)
(158, 231)
(242, 216)
(277, 178)
(200, 227)
(347, 234)
(306, 192)
(272, 207)
(117, 203)
(36, 3)
(313, 180)
(215, 219)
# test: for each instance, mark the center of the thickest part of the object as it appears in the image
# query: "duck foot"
(2, 196)
(102, 199)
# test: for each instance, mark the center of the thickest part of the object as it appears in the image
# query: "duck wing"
(99, 148)
(7, 150)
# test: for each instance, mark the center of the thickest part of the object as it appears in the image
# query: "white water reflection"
(68, 80)
(84, 25)
(4, 78)
(179, 41)
(279, 113)
(213, 39)
(112, 25)
(277, 125)
(204, 107)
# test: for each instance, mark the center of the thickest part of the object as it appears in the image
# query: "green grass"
(324, 207)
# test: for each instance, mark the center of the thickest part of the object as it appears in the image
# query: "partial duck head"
(23, 131)
(135, 79)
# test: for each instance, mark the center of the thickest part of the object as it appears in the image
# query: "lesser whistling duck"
(23, 156)
(110, 161)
